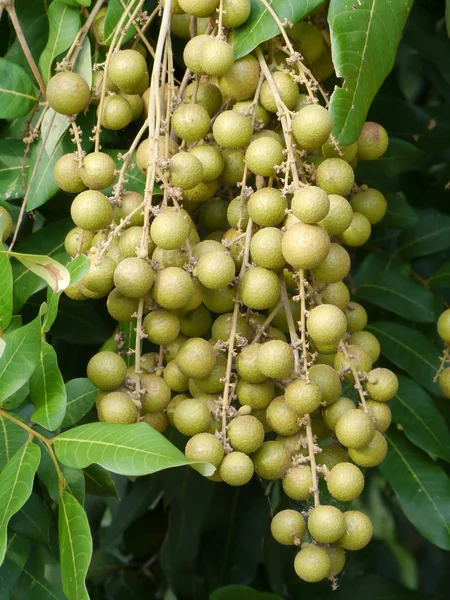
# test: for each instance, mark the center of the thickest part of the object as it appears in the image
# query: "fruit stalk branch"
(358, 385)
(77, 44)
(141, 36)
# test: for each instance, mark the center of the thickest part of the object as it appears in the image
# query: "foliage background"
(177, 529)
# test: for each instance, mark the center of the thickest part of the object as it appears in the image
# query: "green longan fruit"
(287, 90)
(259, 288)
(236, 12)
(128, 70)
(345, 482)
(328, 380)
(232, 130)
(67, 174)
(265, 249)
(158, 421)
(219, 301)
(221, 328)
(68, 93)
(199, 8)
(134, 277)
(282, 419)
(267, 207)
(326, 324)
(236, 469)
(255, 395)
(443, 326)
(326, 524)
(368, 342)
(215, 270)
(201, 192)
(358, 530)
(91, 210)
(157, 393)
(98, 171)
(310, 204)
(331, 149)
(205, 94)
(130, 203)
(161, 326)
(247, 364)
(171, 349)
(142, 153)
(186, 170)
(180, 26)
(297, 483)
(335, 176)
(271, 460)
(192, 54)
(373, 141)
(213, 384)
(336, 294)
(288, 526)
(263, 155)
(204, 447)
(195, 300)
(309, 40)
(170, 258)
(246, 433)
(206, 246)
(191, 417)
(305, 246)
(72, 239)
(331, 414)
(312, 126)
(332, 455)
(312, 563)
(335, 267)
(130, 241)
(246, 107)
(354, 429)
(169, 230)
(172, 288)
(196, 358)
(136, 103)
(100, 277)
(121, 308)
(337, 559)
(444, 382)
(241, 80)
(380, 413)
(117, 408)
(356, 316)
(358, 232)
(303, 397)
(237, 213)
(196, 322)
(339, 216)
(211, 159)
(116, 113)
(233, 166)
(190, 122)
(106, 370)
(371, 203)
(175, 379)
(359, 359)
(381, 384)
(371, 455)
(217, 57)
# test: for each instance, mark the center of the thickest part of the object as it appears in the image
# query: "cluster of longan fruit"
(236, 279)
(443, 328)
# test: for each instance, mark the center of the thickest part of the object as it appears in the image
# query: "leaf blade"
(6, 291)
(17, 95)
(81, 395)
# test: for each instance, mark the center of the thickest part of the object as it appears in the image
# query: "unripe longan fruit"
(337, 559)
(136, 103)
(326, 324)
(68, 93)
(358, 530)
(371, 203)
(211, 159)
(331, 414)
(190, 122)
(161, 326)
(326, 524)
(193, 52)
(206, 246)
(356, 316)
(191, 417)
(354, 429)
(129, 203)
(172, 288)
(120, 307)
(247, 364)
(287, 89)
(91, 210)
(233, 166)
(312, 126)
(117, 408)
(336, 294)
(259, 288)
(246, 434)
(303, 397)
(72, 239)
(236, 469)
(221, 328)
(263, 155)
(219, 301)
(255, 395)
(368, 342)
(265, 249)
(443, 326)
(100, 277)
(232, 130)
(345, 482)
(373, 141)
(217, 58)
(128, 70)
(309, 40)
(310, 204)
(198, 8)
(332, 455)
(241, 80)
(328, 380)
(237, 213)
(196, 358)
(267, 207)
(305, 246)
(339, 216)
(381, 385)
(107, 370)
(169, 230)
(358, 358)
(116, 113)
(97, 172)
(215, 270)
(175, 379)
(158, 421)
(371, 455)
(335, 176)
(271, 460)
(201, 192)
(235, 12)
(312, 563)
(335, 267)
(287, 527)
(67, 174)
(275, 359)
(358, 232)
(380, 413)
(133, 277)
(157, 393)
(205, 94)
(444, 382)
(297, 483)
(204, 447)
(282, 418)
(331, 149)
(186, 170)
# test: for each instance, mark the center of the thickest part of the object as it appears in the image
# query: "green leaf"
(16, 399)
(373, 587)
(11, 169)
(74, 479)
(424, 425)
(260, 25)
(19, 358)
(32, 520)
(112, 18)
(16, 483)
(41, 577)
(125, 449)
(421, 487)
(64, 25)
(400, 156)
(100, 483)
(75, 547)
(430, 234)
(81, 395)
(441, 278)
(232, 592)
(6, 291)
(399, 213)
(364, 39)
(47, 390)
(17, 95)
(15, 559)
(12, 437)
(447, 16)
(84, 61)
(409, 350)
(50, 270)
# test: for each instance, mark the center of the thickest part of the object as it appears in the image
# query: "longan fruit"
(381, 384)
(219, 301)
(271, 460)
(68, 93)
(380, 413)
(158, 421)
(206, 94)
(339, 216)
(358, 232)
(211, 159)
(371, 455)
(204, 447)
(259, 288)
(247, 364)
(354, 429)
(287, 90)
(335, 267)
(371, 203)
(233, 166)
(133, 277)
(310, 204)
(215, 270)
(236, 469)
(122, 308)
(444, 382)
(265, 249)
(326, 524)
(282, 419)
(247, 108)
(288, 526)
(186, 170)
(305, 246)
(263, 155)
(267, 207)
(368, 342)
(172, 288)
(345, 482)
(98, 171)
(328, 380)
(129, 209)
(232, 130)
(309, 40)
(326, 324)
(312, 126)
(100, 277)
(157, 393)
(358, 530)
(191, 417)
(169, 230)
(196, 358)
(237, 213)
(116, 113)
(358, 358)
(72, 239)
(106, 370)
(373, 141)
(190, 122)
(128, 70)
(443, 326)
(312, 563)
(235, 12)
(303, 397)
(161, 326)
(221, 328)
(255, 395)
(335, 176)
(117, 408)
(175, 379)
(241, 80)
(331, 414)
(356, 316)
(217, 57)
(192, 54)
(67, 174)
(336, 294)
(91, 210)
(246, 433)
(297, 483)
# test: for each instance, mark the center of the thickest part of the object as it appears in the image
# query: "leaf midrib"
(396, 293)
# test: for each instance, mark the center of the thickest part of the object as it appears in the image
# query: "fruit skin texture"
(371, 455)
(356, 317)
(97, 172)
(358, 530)
(312, 563)
(382, 384)
(198, 8)
(287, 90)
(116, 113)
(172, 288)
(312, 126)
(328, 381)
(310, 204)
(326, 524)
(371, 203)
(262, 155)
(339, 216)
(335, 176)
(259, 288)
(355, 429)
(241, 81)
(265, 248)
(372, 142)
(128, 70)
(91, 210)
(118, 408)
(303, 397)
(247, 364)
(331, 414)
(169, 230)
(161, 326)
(133, 277)
(287, 526)
(275, 359)
(215, 270)
(106, 370)
(204, 447)
(368, 342)
(191, 417)
(444, 382)
(297, 483)
(443, 326)
(72, 239)
(217, 58)
(380, 413)
(67, 174)
(282, 418)
(232, 130)
(208, 95)
(326, 324)
(190, 122)
(193, 52)
(246, 434)
(305, 246)
(345, 482)
(236, 12)
(236, 469)
(196, 358)
(68, 93)
(271, 460)
(267, 207)
(186, 170)
(358, 232)
(211, 159)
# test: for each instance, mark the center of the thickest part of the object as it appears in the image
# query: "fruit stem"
(126, 160)
(137, 353)
(358, 386)
(77, 44)
(133, 22)
(312, 461)
(77, 140)
(444, 359)
(140, 30)
(302, 322)
(219, 22)
(267, 322)
(290, 321)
